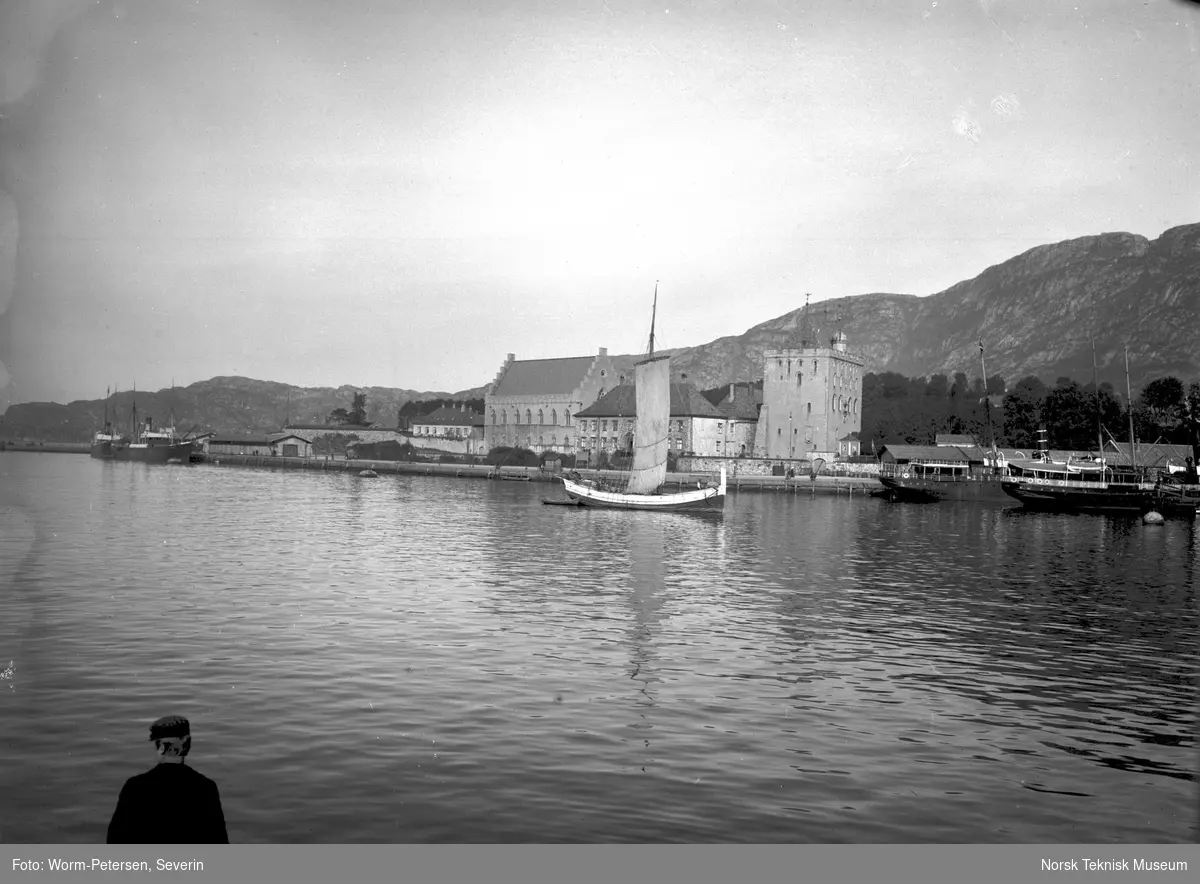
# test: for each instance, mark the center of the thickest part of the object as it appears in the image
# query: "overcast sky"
(400, 193)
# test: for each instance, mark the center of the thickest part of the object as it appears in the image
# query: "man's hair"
(171, 746)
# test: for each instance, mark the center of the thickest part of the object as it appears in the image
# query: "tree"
(339, 416)
(1160, 411)
(1023, 412)
(1067, 412)
(358, 409)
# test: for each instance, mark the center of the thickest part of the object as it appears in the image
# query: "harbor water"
(425, 659)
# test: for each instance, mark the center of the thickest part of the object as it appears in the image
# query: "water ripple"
(411, 658)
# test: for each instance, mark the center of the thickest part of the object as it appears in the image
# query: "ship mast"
(1129, 402)
(987, 405)
(653, 315)
(1099, 426)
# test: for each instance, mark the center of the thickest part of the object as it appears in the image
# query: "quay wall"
(675, 481)
(765, 466)
(56, 447)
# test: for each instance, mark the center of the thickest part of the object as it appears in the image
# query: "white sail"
(653, 381)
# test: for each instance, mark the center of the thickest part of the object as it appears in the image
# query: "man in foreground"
(171, 803)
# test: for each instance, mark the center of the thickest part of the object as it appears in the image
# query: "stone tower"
(812, 399)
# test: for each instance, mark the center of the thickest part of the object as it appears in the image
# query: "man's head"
(172, 736)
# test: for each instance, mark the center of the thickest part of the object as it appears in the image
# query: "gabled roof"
(340, 428)
(924, 453)
(271, 439)
(621, 401)
(449, 416)
(743, 405)
(542, 377)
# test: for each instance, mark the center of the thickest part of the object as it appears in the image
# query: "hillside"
(1036, 313)
(227, 404)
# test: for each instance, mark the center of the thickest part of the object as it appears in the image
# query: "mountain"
(225, 404)
(1037, 314)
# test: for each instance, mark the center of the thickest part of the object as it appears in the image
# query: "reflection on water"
(428, 654)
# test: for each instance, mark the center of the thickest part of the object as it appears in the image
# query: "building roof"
(541, 377)
(924, 453)
(743, 405)
(271, 439)
(337, 428)
(449, 416)
(621, 401)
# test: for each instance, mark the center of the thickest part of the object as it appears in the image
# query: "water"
(423, 659)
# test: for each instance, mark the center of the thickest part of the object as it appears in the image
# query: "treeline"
(897, 409)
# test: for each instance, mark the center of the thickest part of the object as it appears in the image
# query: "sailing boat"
(652, 380)
(1084, 487)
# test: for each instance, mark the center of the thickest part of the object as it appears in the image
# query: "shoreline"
(825, 484)
(849, 485)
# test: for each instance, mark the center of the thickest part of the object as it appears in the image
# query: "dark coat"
(169, 804)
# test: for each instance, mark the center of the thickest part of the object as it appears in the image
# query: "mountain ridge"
(1036, 313)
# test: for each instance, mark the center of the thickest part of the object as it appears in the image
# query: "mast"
(1129, 402)
(1096, 385)
(107, 393)
(987, 403)
(653, 315)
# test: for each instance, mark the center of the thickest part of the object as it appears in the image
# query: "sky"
(373, 192)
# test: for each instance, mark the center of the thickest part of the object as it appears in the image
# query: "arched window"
(541, 417)
(503, 417)
(541, 441)
(554, 416)
(567, 414)
(528, 441)
(566, 441)
(553, 439)
(493, 417)
(528, 416)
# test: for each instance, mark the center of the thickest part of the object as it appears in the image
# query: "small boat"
(368, 474)
(1174, 498)
(644, 488)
